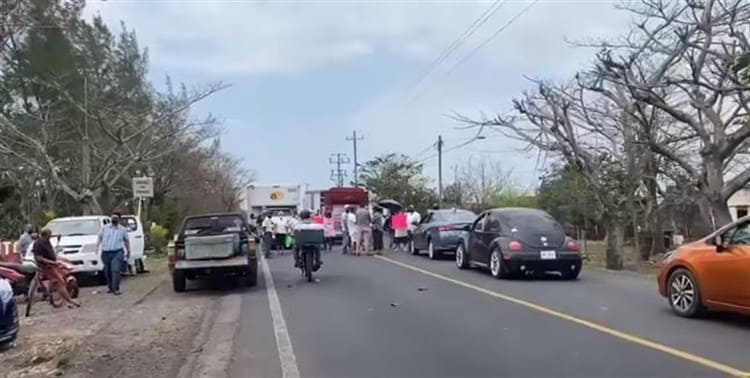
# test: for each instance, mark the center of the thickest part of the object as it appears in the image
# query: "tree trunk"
(615, 244)
(715, 207)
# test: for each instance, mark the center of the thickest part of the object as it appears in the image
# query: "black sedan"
(441, 231)
(515, 241)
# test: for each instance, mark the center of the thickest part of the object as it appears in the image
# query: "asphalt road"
(407, 316)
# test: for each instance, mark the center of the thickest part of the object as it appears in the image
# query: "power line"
(488, 40)
(338, 174)
(479, 21)
(354, 138)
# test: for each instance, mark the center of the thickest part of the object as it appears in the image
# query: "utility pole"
(459, 198)
(338, 174)
(440, 170)
(85, 147)
(354, 140)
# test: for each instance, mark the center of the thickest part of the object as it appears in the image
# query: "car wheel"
(462, 259)
(684, 295)
(252, 275)
(431, 252)
(179, 282)
(413, 248)
(497, 268)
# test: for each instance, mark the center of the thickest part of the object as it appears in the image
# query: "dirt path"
(145, 332)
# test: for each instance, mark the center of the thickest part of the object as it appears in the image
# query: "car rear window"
(213, 225)
(454, 216)
(530, 223)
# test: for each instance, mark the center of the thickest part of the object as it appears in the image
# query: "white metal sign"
(143, 187)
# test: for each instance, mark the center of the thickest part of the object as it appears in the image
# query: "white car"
(75, 239)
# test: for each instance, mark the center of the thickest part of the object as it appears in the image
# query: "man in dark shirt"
(47, 264)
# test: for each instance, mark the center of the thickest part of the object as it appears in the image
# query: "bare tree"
(584, 131)
(482, 179)
(681, 60)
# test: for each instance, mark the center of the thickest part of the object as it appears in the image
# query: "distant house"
(739, 203)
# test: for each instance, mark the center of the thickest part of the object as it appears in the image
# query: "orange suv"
(710, 274)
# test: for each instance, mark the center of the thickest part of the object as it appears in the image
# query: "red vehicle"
(337, 198)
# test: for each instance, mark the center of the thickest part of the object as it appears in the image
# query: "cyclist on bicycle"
(305, 223)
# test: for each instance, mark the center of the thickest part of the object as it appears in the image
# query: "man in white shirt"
(267, 232)
(413, 218)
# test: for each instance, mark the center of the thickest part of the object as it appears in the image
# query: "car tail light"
(572, 245)
(446, 228)
(514, 246)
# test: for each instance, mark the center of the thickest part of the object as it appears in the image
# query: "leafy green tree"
(400, 178)
(568, 197)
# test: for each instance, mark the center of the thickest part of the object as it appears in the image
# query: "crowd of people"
(364, 229)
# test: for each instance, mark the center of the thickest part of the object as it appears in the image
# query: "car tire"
(497, 267)
(179, 281)
(462, 258)
(684, 295)
(251, 279)
(431, 252)
(413, 248)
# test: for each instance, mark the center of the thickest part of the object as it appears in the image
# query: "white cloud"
(264, 37)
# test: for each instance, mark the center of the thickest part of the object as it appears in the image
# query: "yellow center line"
(586, 323)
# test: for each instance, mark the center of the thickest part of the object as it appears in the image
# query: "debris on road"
(422, 289)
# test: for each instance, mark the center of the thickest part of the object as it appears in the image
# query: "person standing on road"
(364, 226)
(414, 219)
(329, 230)
(351, 223)
(345, 241)
(24, 242)
(267, 229)
(377, 229)
(114, 248)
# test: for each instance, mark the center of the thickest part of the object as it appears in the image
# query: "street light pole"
(440, 170)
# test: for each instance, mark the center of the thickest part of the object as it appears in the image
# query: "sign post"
(143, 187)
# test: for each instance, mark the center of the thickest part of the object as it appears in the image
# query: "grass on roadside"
(595, 256)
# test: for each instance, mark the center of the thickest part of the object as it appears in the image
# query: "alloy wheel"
(682, 293)
(495, 263)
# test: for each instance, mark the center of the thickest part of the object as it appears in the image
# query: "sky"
(304, 75)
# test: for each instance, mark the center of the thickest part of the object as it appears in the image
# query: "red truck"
(337, 198)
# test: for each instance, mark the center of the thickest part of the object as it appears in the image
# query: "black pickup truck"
(214, 244)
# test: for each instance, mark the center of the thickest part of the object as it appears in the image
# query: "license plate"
(548, 255)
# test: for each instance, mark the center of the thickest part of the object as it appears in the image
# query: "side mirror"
(467, 227)
(719, 243)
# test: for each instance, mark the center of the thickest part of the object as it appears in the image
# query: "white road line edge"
(289, 368)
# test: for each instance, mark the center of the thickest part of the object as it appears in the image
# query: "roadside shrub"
(158, 237)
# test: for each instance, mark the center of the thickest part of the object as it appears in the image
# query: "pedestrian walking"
(414, 219)
(329, 231)
(25, 241)
(377, 229)
(399, 222)
(351, 222)
(113, 247)
(267, 238)
(364, 228)
(345, 240)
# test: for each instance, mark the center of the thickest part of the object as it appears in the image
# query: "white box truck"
(260, 199)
